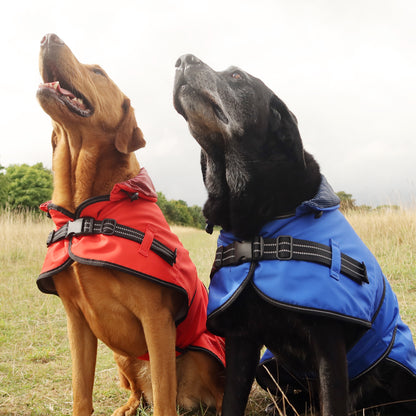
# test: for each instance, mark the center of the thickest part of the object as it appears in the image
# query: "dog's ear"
(275, 118)
(128, 137)
(283, 126)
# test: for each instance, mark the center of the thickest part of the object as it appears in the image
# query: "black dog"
(280, 218)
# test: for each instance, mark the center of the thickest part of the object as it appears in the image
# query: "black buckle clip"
(242, 251)
(284, 253)
(108, 226)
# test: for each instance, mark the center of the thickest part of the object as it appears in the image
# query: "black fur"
(255, 169)
(254, 166)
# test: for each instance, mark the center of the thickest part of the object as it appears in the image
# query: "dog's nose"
(50, 39)
(186, 60)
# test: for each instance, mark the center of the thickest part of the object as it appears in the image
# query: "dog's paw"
(130, 408)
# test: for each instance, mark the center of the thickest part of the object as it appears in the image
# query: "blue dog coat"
(322, 290)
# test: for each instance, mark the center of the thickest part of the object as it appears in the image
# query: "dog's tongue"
(55, 85)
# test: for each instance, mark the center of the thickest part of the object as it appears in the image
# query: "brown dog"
(94, 136)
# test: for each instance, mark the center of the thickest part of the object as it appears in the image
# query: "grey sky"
(346, 69)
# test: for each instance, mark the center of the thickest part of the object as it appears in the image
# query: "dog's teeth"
(55, 85)
(78, 102)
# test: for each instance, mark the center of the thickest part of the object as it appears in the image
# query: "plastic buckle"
(242, 251)
(74, 227)
(108, 226)
(284, 253)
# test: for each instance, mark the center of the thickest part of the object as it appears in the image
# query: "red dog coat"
(127, 231)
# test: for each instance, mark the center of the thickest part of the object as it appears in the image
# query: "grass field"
(35, 368)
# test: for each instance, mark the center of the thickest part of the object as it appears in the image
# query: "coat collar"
(141, 186)
(325, 199)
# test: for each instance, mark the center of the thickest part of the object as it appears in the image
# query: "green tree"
(347, 201)
(3, 187)
(198, 219)
(178, 212)
(162, 202)
(28, 186)
(388, 208)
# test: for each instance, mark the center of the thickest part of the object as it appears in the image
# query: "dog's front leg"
(242, 357)
(83, 344)
(160, 333)
(331, 358)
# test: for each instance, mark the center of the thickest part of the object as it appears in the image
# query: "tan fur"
(130, 315)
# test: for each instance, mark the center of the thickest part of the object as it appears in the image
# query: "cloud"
(347, 70)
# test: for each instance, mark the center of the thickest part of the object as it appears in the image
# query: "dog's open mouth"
(74, 100)
(219, 113)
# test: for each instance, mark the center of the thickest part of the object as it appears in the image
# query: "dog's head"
(233, 108)
(253, 162)
(82, 98)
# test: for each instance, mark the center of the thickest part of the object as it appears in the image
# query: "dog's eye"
(237, 75)
(98, 71)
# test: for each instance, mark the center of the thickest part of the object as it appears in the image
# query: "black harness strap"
(285, 248)
(108, 226)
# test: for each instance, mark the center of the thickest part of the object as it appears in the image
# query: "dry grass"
(391, 236)
(35, 368)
